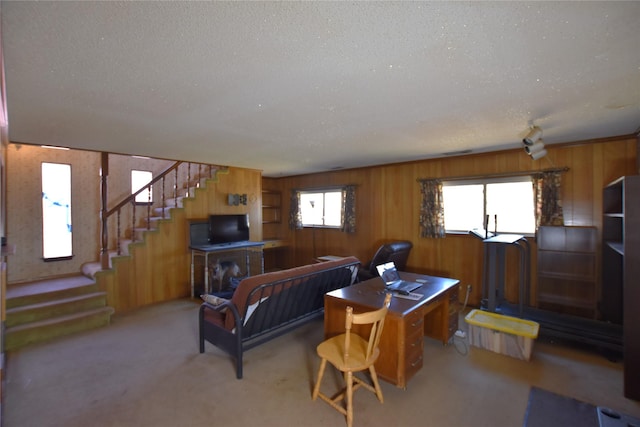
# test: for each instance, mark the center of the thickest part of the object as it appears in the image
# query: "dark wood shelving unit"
(621, 269)
(567, 270)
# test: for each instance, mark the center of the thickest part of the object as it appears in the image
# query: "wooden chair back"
(376, 320)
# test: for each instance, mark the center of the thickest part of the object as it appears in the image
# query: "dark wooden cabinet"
(567, 270)
(621, 271)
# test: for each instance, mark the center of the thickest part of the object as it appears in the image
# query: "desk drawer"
(414, 323)
(413, 363)
(414, 347)
(414, 342)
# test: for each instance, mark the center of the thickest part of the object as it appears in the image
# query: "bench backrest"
(270, 300)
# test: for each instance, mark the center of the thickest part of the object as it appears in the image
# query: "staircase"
(149, 223)
(42, 310)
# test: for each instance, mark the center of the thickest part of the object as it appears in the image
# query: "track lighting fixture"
(538, 154)
(533, 144)
(534, 135)
(535, 148)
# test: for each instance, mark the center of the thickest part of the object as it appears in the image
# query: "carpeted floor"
(145, 370)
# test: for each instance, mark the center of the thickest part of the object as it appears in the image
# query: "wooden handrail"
(130, 200)
(132, 197)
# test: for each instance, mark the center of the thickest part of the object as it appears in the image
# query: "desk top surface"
(370, 293)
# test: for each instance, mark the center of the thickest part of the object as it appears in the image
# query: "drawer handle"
(418, 360)
(419, 322)
(417, 343)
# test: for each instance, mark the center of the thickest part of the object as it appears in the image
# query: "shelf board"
(274, 243)
(616, 246)
(566, 301)
(614, 214)
(568, 277)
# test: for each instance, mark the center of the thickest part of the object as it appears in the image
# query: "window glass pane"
(311, 207)
(333, 208)
(56, 211)
(138, 180)
(463, 207)
(322, 209)
(512, 202)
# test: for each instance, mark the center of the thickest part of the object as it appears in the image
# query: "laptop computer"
(392, 280)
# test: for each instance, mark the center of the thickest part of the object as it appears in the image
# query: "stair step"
(45, 330)
(164, 212)
(58, 307)
(153, 220)
(47, 290)
(173, 203)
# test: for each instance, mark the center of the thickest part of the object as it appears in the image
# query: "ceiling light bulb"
(539, 155)
(532, 149)
(534, 134)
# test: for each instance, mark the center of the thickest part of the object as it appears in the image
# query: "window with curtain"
(516, 204)
(324, 208)
(504, 205)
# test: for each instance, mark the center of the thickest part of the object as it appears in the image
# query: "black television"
(228, 228)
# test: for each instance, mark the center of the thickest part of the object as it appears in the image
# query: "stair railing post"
(118, 240)
(133, 221)
(188, 179)
(164, 206)
(104, 173)
(149, 207)
(175, 188)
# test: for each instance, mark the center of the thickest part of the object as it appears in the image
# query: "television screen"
(228, 228)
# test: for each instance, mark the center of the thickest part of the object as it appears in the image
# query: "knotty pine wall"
(388, 203)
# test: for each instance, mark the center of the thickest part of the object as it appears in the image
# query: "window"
(471, 205)
(56, 211)
(138, 180)
(321, 208)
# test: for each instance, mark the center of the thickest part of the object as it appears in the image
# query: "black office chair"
(398, 252)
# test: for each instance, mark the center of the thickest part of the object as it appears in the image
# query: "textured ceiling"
(299, 87)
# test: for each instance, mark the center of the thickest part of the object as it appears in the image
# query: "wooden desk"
(401, 346)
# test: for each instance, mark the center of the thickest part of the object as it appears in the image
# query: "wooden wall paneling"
(596, 189)
(582, 197)
(123, 295)
(591, 164)
(397, 210)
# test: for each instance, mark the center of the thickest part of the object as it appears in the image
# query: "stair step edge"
(48, 287)
(59, 319)
(52, 303)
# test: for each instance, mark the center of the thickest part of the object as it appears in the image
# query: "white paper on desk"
(413, 296)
